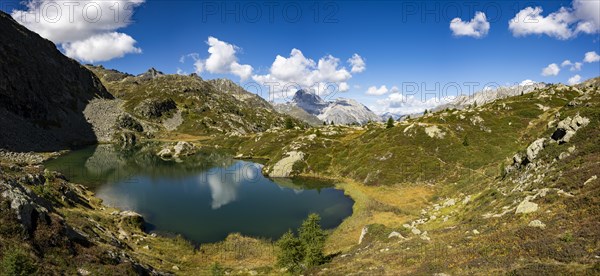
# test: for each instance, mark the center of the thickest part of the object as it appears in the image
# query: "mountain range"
(339, 111)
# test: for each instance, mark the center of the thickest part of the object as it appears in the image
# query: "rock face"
(340, 111)
(347, 111)
(42, 93)
(298, 113)
(154, 108)
(24, 203)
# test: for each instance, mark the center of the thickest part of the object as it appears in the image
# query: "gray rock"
(363, 233)
(155, 108)
(537, 224)
(24, 203)
(526, 207)
(567, 128)
(284, 167)
(534, 149)
(395, 234)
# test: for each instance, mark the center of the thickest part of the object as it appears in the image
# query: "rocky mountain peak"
(152, 73)
(309, 101)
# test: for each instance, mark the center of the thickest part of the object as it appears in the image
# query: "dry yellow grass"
(401, 203)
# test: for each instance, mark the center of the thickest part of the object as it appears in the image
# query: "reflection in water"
(205, 198)
(224, 182)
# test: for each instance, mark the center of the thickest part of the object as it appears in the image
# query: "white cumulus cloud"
(527, 82)
(101, 47)
(572, 66)
(86, 30)
(591, 57)
(288, 74)
(478, 26)
(551, 70)
(398, 103)
(222, 59)
(582, 17)
(575, 79)
(358, 64)
(373, 90)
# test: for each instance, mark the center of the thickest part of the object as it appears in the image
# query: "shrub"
(16, 262)
(289, 124)
(390, 123)
(465, 141)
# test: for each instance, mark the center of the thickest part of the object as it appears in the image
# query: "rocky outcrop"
(155, 108)
(151, 74)
(487, 96)
(567, 128)
(526, 207)
(284, 167)
(534, 149)
(434, 132)
(25, 203)
(181, 149)
(42, 93)
(298, 113)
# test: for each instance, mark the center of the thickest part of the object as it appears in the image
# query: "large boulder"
(567, 128)
(25, 204)
(181, 149)
(534, 149)
(284, 167)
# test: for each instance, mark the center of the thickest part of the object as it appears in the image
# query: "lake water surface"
(204, 198)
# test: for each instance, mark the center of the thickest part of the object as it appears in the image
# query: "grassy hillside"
(188, 105)
(451, 175)
(485, 190)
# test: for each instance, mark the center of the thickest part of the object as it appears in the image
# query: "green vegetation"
(304, 251)
(289, 123)
(217, 270)
(390, 123)
(17, 262)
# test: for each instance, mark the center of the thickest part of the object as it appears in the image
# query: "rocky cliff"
(42, 93)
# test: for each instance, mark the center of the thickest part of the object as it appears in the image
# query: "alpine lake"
(204, 197)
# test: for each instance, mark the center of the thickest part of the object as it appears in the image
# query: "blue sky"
(400, 42)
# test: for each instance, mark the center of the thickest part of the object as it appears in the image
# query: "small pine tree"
(465, 142)
(312, 238)
(324, 123)
(290, 252)
(425, 111)
(390, 122)
(289, 123)
(332, 123)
